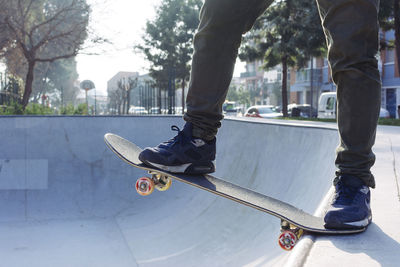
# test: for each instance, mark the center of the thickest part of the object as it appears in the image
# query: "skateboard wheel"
(144, 186)
(163, 184)
(287, 240)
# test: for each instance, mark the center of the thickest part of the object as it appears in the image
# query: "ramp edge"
(299, 255)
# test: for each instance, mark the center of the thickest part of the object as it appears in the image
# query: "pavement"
(67, 200)
(380, 244)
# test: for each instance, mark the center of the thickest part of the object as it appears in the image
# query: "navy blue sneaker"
(350, 208)
(182, 154)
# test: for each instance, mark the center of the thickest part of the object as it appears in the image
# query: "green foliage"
(56, 78)
(167, 42)
(11, 89)
(38, 109)
(67, 110)
(39, 31)
(386, 21)
(81, 110)
(71, 110)
(239, 95)
(289, 33)
(12, 108)
(391, 122)
(288, 28)
(15, 108)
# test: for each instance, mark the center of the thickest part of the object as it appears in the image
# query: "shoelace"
(345, 194)
(177, 139)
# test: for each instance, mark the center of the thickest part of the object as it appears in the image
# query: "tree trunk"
(124, 106)
(396, 14)
(28, 84)
(129, 101)
(183, 95)
(284, 86)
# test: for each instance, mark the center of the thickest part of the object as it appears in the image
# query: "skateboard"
(294, 221)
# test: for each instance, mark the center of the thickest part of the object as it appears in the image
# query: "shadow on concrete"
(380, 250)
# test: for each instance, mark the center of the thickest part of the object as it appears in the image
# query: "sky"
(123, 23)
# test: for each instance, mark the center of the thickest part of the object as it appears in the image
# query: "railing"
(305, 75)
(248, 74)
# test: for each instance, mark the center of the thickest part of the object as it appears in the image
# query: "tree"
(125, 87)
(167, 42)
(11, 87)
(288, 33)
(239, 95)
(116, 99)
(42, 31)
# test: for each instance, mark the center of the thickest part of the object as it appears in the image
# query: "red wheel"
(144, 186)
(287, 240)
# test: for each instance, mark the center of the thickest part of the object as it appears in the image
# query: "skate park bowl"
(67, 200)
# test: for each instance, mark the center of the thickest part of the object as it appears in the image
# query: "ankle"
(201, 134)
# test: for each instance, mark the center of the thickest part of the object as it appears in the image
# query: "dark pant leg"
(216, 44)
(351, 29)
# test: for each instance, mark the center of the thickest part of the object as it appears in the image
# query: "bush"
(391, 122)
(12, 109)
(15, 108)
(71, 110)
(67, 110)
(37, 109)
(81, 110)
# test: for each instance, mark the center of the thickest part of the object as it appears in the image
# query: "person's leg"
(216, 44)
(351, 29)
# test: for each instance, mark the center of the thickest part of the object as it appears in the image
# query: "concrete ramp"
(67, 200)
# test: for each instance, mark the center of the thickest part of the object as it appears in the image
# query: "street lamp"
(88, 85)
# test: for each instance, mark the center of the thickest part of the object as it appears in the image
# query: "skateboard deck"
(293, 219)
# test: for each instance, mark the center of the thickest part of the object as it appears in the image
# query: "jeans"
(351, 29)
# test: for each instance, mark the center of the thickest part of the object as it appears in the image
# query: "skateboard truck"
(145, 185)
(289, 236)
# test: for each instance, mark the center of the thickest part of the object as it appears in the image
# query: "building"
(389, 67)
(118, 98)
(112, 84)
(144, 95)
(264, 85)
(308, 83)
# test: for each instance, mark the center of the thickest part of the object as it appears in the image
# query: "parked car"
(155, 110)
(262, 111)
(230, 108)
(384, 113)
(303, 110)
(178, 110)
(138, 111)
(327, 107)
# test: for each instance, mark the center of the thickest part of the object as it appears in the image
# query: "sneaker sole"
(350, 225)
(188, 168)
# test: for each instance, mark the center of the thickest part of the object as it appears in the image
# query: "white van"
(327, 105)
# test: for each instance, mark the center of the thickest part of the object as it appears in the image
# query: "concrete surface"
(66, 200)
(380, 244)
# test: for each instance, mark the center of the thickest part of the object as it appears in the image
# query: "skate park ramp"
(67, 200)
